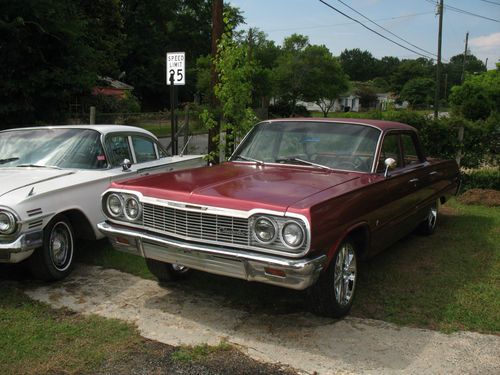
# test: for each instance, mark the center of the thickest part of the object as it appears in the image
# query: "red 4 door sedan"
(298, 204)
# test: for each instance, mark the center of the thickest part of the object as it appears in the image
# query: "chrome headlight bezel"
(278, 243)
(302, 234)
(272, 224)
(126, 213)
(13, 223)
(123, 215)
(109, 211)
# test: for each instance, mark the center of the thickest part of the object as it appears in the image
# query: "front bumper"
(241, 264)
(21, 247)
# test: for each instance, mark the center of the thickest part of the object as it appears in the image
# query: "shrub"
(283, 110)
(485, 178)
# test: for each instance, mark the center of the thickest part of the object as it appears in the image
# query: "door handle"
(433, 173)
(413, 181)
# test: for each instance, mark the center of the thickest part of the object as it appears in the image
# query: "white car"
(51, 180)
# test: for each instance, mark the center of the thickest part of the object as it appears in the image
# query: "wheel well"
(361, 237)
(80, 223)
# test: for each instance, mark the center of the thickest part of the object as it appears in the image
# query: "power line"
(348, 23)
(491, 2)
(463, 11)
(373, 31)
(383, 28)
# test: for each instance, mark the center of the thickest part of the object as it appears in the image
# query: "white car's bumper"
(21, 247)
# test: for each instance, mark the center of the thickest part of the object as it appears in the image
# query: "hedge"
(485, 178)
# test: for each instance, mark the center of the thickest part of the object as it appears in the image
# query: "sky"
(412, 20)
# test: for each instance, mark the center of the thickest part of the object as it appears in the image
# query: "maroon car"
(297, 205)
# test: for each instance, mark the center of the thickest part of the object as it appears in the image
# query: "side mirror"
(126, 164)
(390, 164)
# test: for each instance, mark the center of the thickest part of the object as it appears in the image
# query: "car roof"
(379, 124)
(103, 129)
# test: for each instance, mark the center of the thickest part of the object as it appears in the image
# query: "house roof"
(110, 82)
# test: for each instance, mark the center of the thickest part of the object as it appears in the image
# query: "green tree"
(454, 69)
(324, 77)
(46, 60)
(105, 33)
(289, 78)
(479, 96)
(419, 92)
(410, 69)
(359, 65)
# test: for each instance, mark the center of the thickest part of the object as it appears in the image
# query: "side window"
(390, 149)
(144, 149)
(118, 148)
(410, 154)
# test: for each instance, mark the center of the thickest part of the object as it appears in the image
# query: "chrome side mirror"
(390, 164)
(126, 164)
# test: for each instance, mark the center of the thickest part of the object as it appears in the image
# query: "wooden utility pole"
(465, 57)
(438, 67)
(217, 29)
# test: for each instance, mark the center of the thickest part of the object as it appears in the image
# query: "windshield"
(332, 145)
(49, 147)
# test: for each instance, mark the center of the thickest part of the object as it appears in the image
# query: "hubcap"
(61, 246)
(345, 274)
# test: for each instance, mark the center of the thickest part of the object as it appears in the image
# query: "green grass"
(36, 339)
(199, 352)
(448, 281)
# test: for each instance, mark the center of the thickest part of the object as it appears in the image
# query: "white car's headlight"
(7, 222)
(265, 230)
(132, 208)
(114, 204)
(292, 235)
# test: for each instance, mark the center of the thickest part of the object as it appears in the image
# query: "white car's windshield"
(322, 144)
(51, 147)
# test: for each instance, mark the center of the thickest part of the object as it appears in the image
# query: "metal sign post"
(176, 76)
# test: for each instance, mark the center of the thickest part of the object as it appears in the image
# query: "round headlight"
(265, 230)
(292, 235)
(115, 205)
(132, 208)
(7, 223)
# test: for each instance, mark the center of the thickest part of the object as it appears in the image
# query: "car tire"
(428, 226)
(166, 272)
(333, 294)
(54, 260)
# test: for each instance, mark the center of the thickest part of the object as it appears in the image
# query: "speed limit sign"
(176, 68)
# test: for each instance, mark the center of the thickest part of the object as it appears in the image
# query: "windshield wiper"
(306, 162)
(8, 160)
(38, 166)
(246, 158)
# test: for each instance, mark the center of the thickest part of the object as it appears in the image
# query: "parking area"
(176, 316)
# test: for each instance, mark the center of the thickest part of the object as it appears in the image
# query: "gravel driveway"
(303, 341)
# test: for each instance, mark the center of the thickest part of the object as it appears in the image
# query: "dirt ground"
(486, 197)
(305, 342)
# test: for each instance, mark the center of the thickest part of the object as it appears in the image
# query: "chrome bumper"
(21, 248)
(298, 273)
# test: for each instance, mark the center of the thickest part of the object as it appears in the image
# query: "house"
(111, 87)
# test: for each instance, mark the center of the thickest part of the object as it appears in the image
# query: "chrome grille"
(196, 225)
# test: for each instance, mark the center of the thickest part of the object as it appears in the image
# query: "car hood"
(239, 186)
(17, 178)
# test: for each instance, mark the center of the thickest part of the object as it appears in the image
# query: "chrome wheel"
(61, 246)
(345, 274)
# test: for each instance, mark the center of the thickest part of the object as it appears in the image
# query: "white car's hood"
(16, 178)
